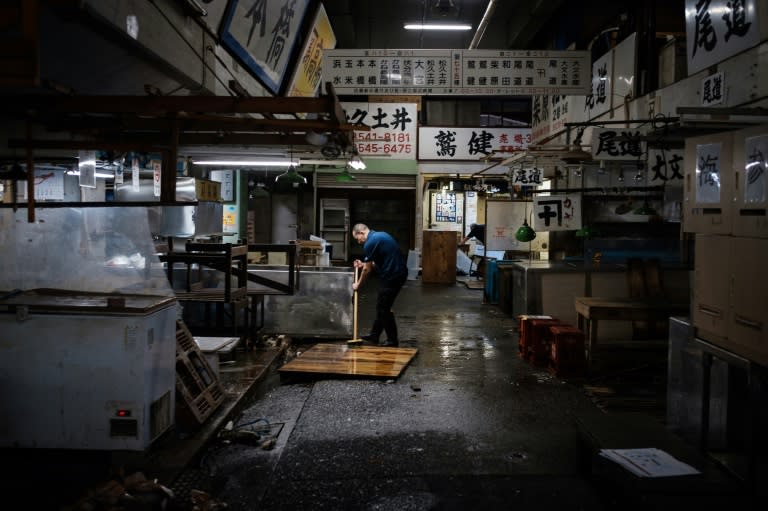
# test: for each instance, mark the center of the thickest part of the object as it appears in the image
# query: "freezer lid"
(79, 302)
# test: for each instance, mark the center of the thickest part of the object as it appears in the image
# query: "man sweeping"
(382, 255)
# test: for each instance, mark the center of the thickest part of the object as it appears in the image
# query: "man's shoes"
(389, 344)
(370, 338)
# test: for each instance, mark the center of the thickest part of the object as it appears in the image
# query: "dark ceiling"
(512, 24)
(379, 24)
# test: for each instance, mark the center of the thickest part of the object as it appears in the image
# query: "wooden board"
(438, 257)
(342, 359)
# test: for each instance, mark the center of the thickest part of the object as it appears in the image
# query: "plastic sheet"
(102, 250)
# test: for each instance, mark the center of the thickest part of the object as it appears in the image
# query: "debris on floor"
(133, 493)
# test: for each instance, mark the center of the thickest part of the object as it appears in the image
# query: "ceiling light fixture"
(97, 174)
(248, 163)
(437, 26)
(356, 163)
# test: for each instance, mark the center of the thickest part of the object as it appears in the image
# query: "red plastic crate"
(524, 334)
(567, 355)
(538, 342)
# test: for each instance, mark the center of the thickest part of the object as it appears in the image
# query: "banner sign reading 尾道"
(718, 29)
(470, 143)
(457, 72)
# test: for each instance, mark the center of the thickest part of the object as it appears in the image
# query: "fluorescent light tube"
(454, 26)
(247, 163)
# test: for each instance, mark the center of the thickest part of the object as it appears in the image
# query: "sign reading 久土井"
(392, 131)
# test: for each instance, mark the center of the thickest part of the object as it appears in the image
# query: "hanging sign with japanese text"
(556, 213)
(457, 72)
(718, 29)
(392, 131)
(756, 156)
(526, 176)
(598, 100)
(665, 166)
(306, 76)
(708, 173)
(437, 143)
(618, 143)
(550, 114)
(540, 123)
(262, 35)
(712, 89)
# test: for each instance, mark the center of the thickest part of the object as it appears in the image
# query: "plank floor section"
(374, 361)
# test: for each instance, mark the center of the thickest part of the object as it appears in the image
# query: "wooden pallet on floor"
(342, 359)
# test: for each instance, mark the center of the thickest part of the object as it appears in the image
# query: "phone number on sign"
(384, 148)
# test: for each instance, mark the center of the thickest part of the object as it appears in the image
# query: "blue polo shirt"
(382, 249)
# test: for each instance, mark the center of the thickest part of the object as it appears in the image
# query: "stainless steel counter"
(550, 287)
(321, 307)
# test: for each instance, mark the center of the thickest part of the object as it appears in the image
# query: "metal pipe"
(483, 25)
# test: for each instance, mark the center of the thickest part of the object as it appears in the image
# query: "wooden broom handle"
(354, 315)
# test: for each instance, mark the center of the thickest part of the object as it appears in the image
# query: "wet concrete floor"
(467, 425)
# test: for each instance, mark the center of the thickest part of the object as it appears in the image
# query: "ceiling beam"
(149, 142)
(197, 123)
(164, 105)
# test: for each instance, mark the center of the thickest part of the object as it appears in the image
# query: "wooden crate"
(198, 389)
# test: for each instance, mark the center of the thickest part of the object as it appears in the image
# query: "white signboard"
(718, 29)
(598, 100)
(49, 184)
(87, 168)
(756, 156)
(617, 144)
(526, 176)
(392, 129)
(665, 166)
(227, 180)
(156, 178)
(557, 110)
(556, 213)
(457, 72)
(540, 118)
(708, 173)
(135, 186)
(712, 89)
(451, 143)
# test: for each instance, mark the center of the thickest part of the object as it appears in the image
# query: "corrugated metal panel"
(382, 181)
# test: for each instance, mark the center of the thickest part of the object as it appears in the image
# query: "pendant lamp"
(258, 192)
(291, 176)
(525, 233)
(345, 176)
(646, 210)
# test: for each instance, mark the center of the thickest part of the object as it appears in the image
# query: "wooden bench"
(590, 310)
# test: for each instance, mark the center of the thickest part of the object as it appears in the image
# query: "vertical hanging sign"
(156, 176)
(708, 173)
(87, 168)
(756, 186)
(135, 174)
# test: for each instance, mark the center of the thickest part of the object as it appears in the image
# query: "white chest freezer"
(86, 370)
